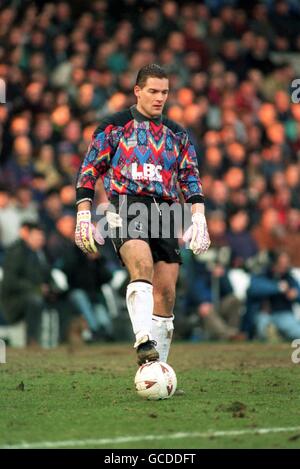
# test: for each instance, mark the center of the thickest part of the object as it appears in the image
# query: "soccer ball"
(155, 380)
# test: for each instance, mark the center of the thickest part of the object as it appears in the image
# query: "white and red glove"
(197, 234)
(86, 233)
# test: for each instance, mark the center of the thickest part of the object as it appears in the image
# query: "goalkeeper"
(142, 157)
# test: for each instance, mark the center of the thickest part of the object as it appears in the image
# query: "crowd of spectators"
(231, 66)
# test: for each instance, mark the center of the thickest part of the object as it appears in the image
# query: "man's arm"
(84, 205)
(198, 208)
(262, 287)
(188, 173)
(95, 163)
(188, 177)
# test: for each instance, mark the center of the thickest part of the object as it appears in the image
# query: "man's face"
(36, 239)
(152, 97)
(283, 263)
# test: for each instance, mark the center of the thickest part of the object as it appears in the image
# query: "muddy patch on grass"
(236, 408)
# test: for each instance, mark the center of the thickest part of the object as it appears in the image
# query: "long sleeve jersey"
(135, 155)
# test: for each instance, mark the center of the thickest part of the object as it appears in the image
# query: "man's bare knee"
(138, 260)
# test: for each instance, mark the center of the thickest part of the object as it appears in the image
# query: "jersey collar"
(138, 116)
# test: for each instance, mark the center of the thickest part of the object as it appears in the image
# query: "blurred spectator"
(50, 210)
(26, 285)
(217, 198)
(277, 290)
(9, 219)
(240, 240)
(268, 232)
(290, 238)
(85, 275)
(19, 169)
(209, 288)
(68, 198)
(45, 164)
(26, 207)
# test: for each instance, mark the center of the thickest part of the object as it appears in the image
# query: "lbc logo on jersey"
(149, 171)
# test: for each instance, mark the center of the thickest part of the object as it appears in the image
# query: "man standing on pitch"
(142, 157)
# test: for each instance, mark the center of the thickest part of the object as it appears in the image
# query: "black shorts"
(149, 224)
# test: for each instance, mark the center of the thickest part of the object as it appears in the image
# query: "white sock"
(139, 300)
(162, 333)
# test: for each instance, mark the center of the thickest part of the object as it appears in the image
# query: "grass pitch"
(87, 399)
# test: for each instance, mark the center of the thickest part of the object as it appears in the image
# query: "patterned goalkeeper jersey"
(135, 155)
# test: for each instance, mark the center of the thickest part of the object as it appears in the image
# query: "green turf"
(89, 394)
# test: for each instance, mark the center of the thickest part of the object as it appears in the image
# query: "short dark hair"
(275, 254)
(5, 189)
(31, 225)
(150, 70)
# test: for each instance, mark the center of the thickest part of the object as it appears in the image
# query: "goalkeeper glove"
(86, 233)
(197, 234)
